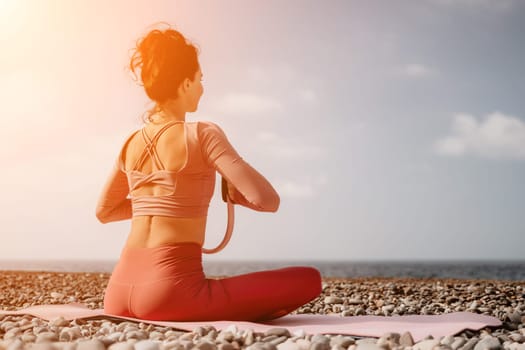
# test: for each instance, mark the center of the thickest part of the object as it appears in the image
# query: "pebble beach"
(342, 296)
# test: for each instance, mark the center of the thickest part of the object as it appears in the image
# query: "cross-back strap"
(150, 146)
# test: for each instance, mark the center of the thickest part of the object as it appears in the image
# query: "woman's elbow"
(101, 215)
(271, 203)
(275, 203)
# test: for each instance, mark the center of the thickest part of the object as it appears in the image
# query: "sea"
(481, 270)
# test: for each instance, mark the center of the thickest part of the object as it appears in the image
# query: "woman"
(168, 170)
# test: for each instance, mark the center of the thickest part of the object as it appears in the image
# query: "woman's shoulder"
(207, 128)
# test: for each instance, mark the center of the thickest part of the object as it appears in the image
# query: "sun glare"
(7, 9)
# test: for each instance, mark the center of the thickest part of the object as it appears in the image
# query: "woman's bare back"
(153, 230)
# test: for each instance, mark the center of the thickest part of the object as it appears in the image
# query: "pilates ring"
(229, 225)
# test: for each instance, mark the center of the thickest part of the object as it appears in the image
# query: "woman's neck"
(168, 114)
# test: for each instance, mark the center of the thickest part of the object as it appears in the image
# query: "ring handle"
(229, 225)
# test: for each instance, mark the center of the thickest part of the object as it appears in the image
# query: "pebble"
(46, 337)
(146, 345)
(121, 346)
(389, 340)
(458, 343)
(369, 346)
(406, 339)
(426, 344)
(514, 317)
(278, 332)
(319, 345)
(470, 344)
(488, 343)
(56, 295)
(366, 296)
(333, 300)
(59, 322)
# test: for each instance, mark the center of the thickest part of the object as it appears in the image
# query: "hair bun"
(165, 58)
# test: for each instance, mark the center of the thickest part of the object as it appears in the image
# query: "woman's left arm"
(113, 204)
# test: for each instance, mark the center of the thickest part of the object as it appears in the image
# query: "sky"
(392, 130)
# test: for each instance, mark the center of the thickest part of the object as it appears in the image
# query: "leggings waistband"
(140, 265)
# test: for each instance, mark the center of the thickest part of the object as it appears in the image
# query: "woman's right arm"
(113, 204)
(251, 189)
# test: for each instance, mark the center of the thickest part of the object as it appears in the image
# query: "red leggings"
(168, 283)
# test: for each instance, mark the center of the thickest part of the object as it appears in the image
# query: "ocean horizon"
(492, 270)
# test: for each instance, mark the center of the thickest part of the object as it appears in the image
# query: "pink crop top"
(189, 190)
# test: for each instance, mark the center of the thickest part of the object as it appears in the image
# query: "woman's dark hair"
(165, 58)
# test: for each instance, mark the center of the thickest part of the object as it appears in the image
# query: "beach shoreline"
(385, 296)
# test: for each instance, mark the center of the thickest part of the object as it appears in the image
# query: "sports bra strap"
(150, 146)
(152, 150)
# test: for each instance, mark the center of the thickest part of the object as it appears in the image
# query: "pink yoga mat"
(366, 326)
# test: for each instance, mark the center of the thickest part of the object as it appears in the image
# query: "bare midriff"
(149, 231)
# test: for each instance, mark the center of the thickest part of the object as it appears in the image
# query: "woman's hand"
(227, 190)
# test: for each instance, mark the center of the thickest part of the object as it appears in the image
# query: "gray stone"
(389, 339)
(447, 340)
(256, 346)
(139, 335)
(278, 332)
(116, 336)
(319, 345)
(369, 346)
(366, 340)
(59, 322)
(337, 347)
(248, 339)
(514, 317)
(343, 341)
(146, 345)
(225, 336)
(320, 338)
(28, 338)
(388, 308)
(204, 345)
(441, 347)
(269, 338)
(121, 346)
(46, 337)
(516, 337)
(333, 300)
(488, 343)
(516, 346)
(92, 344)
(406, 339)
(156, 335)
(288, 345)
(279, 340)
(68, 346)
(469, 345)
(226, 346)
(458, 342)
(171, 345)
(43, 346)
(426, 344)
(303, 344)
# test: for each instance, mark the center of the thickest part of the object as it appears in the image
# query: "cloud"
(245, 103)
(306, 188)
(268, 75)
(295, 190)
(277, 146)
(497, 136)
(416, 70)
